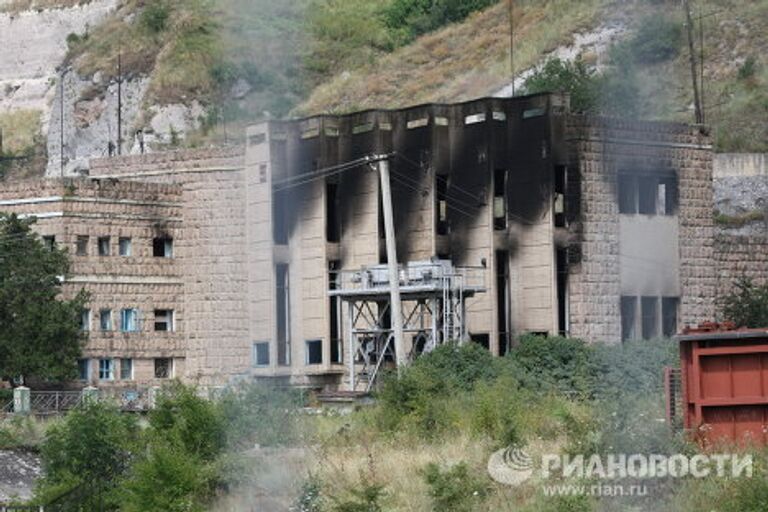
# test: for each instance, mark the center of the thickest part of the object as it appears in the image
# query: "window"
(442, 205)
(628, 318)
(49, 242)
(84, 369)
(163, 368)
(126, 369)
(333, 219)
(500, 199)
(261, 353)
(647, 194)
(85, 320)
(105, 319)
(124, 246)
(162, 247)
(81, 246)
(164, 320)
(104, 246)
(669, 315)
(106, 369)
(483, 339)
(283, 307)
(129, 320)
(649, 307)
(314, 351)
(334, 314)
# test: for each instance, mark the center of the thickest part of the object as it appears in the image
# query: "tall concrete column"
(22, 403)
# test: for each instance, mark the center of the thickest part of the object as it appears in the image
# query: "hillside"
(471, 59)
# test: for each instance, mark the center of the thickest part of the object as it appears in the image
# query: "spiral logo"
(510, 466)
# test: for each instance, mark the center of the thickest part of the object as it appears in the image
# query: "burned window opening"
(649, 310)
(647, 194)
(560, 194)
(441, 205)
(332, 213)
(162, 247)
(314, 352)
(280, 217)
(103, 246)
(669, 307)
(562, 291)
(481, 338)
(628, 318)
(334, 315)
(502, 300)
(282, 314)
(500, 199)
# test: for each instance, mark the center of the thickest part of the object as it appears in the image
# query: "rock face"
(34, 45)
(19, 470)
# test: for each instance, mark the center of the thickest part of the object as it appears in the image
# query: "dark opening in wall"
(162, 247)
(282, 314)
(669, 307)
(81, 246)
(562, 290)
(502, 300)
(334, 315)
(261, 353)
(314, 352)
(628, 318)
(332, 214)
(49, 242)
(560, 194)
(500, 199)
(280, 217)
(648, 194)
(649, 308)
(441, 205)
(481, 338)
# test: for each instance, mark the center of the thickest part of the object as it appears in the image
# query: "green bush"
(572, 77)
(155, 16)
(658, 38)
(367, 498)
(411, 18)
(455, 489)
(748, 70)
(746, 305)
(634, 367)
(194, 424)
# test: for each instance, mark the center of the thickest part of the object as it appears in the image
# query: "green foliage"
(155, 16)
(634, 367)
(455, 489)
(40, 336)
(91, 447)
(747, 304)
(366, 498)
(658, 38)
(748, 70)
(189, 422)
(167, 480)
(571, 77)
(261, 414)
(311, 498)
(566, 365)
(409, 19)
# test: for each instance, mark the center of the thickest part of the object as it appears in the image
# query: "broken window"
(334, 314)
(164, 320)
(441, 205)
(333, 219)
(106, 369)
(105, 319)
(502, 300)
(669, 315)
(162, 247)
(314, 351)
(500, 199)
(627, 194)
(282, 314)
(129, 320)
(126, 369)
(163, 368)
(647, 194)
(482, 338)
(261, 353)
(84, 369)
(649, 308)
(559, 207)
(628, 318)
(49, 242)
(85, 320)
(124, 246)
(81, 246)
(103, 246)
(280, 217)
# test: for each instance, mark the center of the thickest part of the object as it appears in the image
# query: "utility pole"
(396, 308)
(120, 103)
(512, 42)
(701, 64)
(61, 122)
(692, 55)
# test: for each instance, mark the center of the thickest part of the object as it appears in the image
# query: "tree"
(747, 304)
(40, 333)
(572, 77)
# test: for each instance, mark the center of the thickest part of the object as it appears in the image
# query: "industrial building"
(270, 261)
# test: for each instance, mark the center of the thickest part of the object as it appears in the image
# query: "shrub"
(155, 16)
(411, 18)
(634, 367)
(455, 489)
(189, 422)
(657, 39)
(571, 77)
(367, 498)
(747, 304)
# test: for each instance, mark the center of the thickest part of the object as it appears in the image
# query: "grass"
(20, 130)
(738, 221)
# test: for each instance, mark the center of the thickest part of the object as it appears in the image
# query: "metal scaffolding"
(433, 295)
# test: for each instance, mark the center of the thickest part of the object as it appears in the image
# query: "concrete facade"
(595, 228)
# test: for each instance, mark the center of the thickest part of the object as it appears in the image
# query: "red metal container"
(725, 384)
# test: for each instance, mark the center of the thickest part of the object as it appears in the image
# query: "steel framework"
(434, 297)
